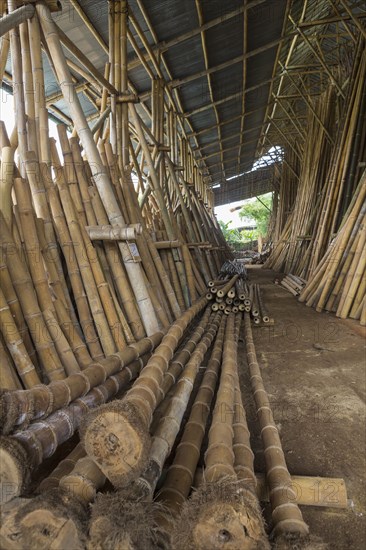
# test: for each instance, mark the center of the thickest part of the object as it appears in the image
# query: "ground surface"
(313, 367)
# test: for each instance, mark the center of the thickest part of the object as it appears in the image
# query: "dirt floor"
(313, 367)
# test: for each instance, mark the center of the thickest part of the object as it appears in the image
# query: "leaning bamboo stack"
(338, 284)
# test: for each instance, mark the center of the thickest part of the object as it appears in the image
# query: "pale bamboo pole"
(4, 52)
(130, 418)
(8, 378)
(99, 173)
(16, 60)
(27, 297)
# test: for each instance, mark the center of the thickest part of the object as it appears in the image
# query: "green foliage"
(260, 211)
(232, 236)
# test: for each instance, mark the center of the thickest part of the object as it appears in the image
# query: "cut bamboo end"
(14, 469)
(115, 437)
(220, 516)
(52, 520)
(119, 521)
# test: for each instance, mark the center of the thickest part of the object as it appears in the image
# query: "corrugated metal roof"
(233, 142)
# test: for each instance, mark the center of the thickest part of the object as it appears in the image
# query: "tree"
(232, 236)
(258, 210)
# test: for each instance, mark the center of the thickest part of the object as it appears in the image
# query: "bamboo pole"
(130, 418)
(99, 173)
(286, 515)
(15, 17)
(41, 401)
(169, 424)
(27, 297)
(180, 476)
(21, 453)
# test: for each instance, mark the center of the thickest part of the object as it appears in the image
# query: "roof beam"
(161, 47)
(237, 95)
(239, 59)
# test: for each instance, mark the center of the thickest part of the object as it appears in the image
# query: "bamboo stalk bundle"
(221, 513)
(23, 285)
(178, 482)
(338, 282)
(19, 408)
(129, 419)
(139, 495)
(286, 515)
(293, 284)
(24, 451)
(169, 424)
(100, 175)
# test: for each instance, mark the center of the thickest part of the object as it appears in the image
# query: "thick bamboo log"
(22, 407)
(62, 469)
(101, 178)
(21, 453)
(179, 480)
(169, 424)
(286, 515)
(84, 480)
(123, 457)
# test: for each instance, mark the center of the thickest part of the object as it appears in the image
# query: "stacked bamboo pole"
(225, 509)
(338, 284)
